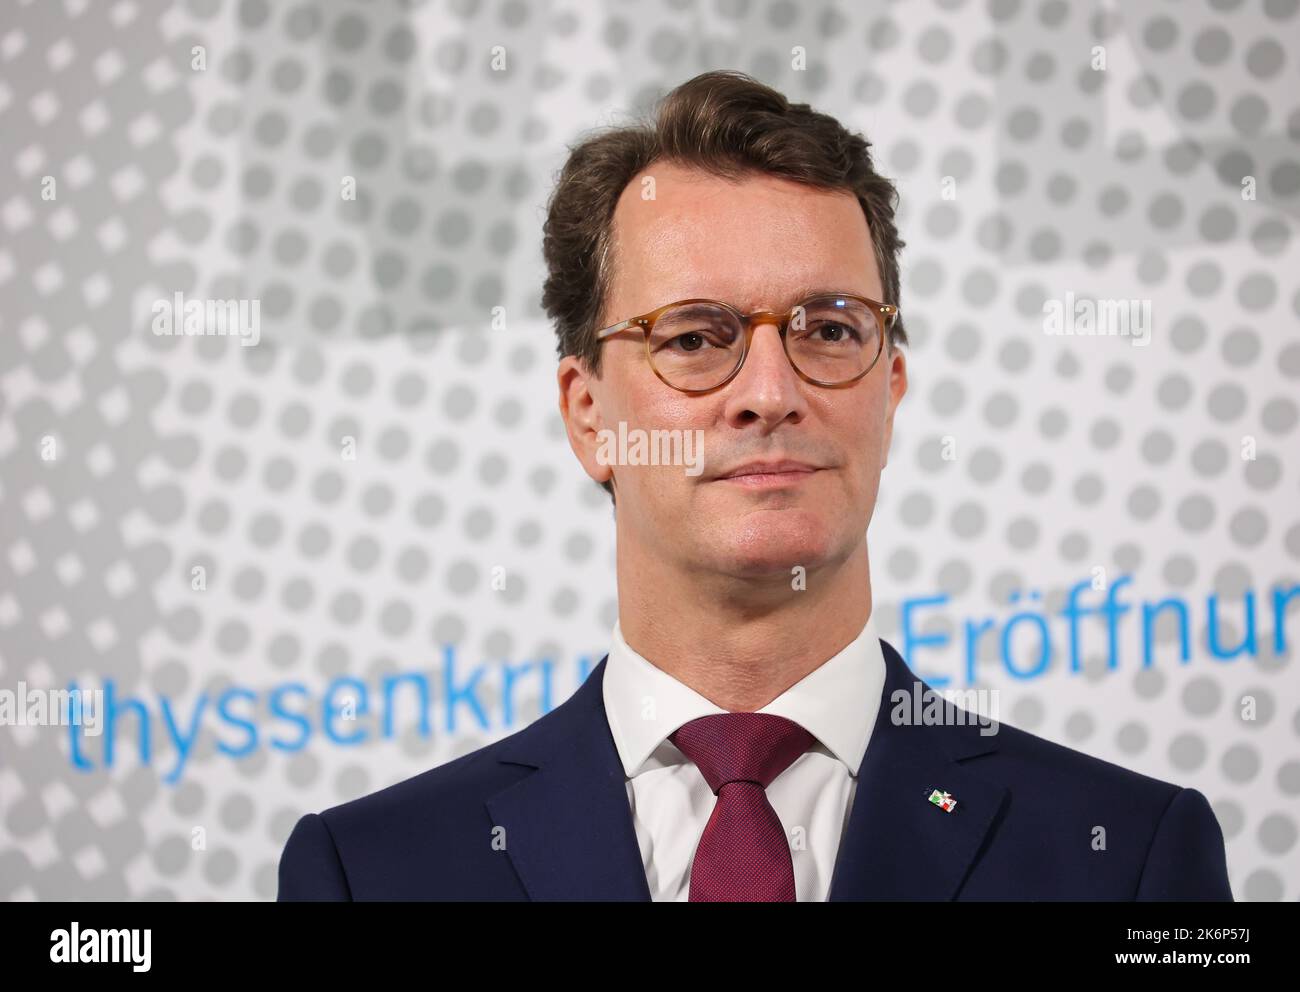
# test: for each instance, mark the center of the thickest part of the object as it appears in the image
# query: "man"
(740, 740)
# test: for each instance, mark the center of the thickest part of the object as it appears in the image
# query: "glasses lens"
(696, 345)
(833, 339)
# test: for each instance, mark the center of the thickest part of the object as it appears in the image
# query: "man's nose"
(767, 388)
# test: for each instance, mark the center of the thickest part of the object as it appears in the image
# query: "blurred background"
(301, 569)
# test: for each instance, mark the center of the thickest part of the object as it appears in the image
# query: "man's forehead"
(668, 206)
(797, 241)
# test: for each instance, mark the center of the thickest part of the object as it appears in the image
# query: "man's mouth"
(760, 474)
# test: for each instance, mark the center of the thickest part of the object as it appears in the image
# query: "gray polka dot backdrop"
(347, 540)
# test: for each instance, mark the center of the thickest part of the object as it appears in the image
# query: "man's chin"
(774, 545)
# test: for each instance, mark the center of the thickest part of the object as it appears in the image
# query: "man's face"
(758, 243)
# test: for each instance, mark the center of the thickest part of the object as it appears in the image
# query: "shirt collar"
(837, 703)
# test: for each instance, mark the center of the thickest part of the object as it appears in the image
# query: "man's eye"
(832, 332)
(692, 341)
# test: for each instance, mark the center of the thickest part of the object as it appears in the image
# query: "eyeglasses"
(696, 346)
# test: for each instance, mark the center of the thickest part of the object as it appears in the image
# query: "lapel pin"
(943, 800)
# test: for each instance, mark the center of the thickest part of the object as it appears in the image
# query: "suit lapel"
(898, 845)
(568, 825)
(569, 831)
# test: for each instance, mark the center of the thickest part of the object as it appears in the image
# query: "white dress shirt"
(671, 802)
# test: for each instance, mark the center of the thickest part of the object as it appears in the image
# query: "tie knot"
(750, 747)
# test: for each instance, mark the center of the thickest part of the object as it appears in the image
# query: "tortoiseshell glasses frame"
(885, 314)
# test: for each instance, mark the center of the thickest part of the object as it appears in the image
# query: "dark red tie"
(743, 855)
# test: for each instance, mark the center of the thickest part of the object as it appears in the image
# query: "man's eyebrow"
(828, 291)
(805, 292)
(798, 296)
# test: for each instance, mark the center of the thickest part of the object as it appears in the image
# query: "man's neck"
(741, 643)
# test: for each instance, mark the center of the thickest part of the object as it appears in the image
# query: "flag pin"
(943, 800)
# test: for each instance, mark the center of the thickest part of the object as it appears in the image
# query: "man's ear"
(580, 410)
(897, 387)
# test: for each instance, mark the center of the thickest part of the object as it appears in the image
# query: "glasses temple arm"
(613, 329)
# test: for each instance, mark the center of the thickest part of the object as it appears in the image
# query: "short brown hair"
(724, 123)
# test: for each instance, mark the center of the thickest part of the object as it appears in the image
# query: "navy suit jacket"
(544, 815)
